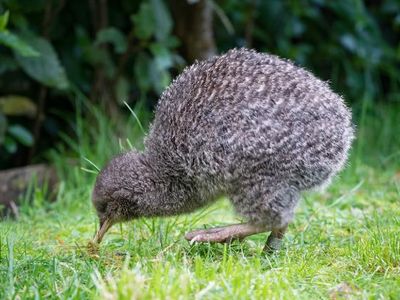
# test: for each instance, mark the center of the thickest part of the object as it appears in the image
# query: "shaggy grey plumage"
(247, 125)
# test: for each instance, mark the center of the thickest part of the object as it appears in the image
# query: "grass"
(343, 243)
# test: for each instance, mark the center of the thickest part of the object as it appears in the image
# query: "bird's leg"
(225, 234)
(274, 240)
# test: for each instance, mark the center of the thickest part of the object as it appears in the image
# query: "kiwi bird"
(251, 126)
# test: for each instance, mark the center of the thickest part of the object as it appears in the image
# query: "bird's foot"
(272, 245)
(216, 235)
(274, 241)
(192, 234)
(224, 234)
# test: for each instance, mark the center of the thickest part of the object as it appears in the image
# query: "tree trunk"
(194, 26)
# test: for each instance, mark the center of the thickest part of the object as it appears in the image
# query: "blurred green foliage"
(353, 43)
(56, 53)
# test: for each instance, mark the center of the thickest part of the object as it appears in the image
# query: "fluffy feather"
(247, 125)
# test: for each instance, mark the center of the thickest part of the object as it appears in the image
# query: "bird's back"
(247, 114)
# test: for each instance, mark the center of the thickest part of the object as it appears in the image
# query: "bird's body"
(247, 125)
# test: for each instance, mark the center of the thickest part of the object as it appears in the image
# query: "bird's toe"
(212, 237)
(190, 235)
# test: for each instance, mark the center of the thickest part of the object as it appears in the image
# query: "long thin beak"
(102, 231)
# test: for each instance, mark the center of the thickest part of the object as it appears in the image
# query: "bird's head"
(118, 190)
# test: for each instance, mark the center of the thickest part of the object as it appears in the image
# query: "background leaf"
(162, 56)
(21, 134)
(8, 63)
(142, 72)
(162, 18)
(114, 36)
(4, 20)
(16, 105)
(10, 145)
(144, 21)
(13, 41)
(46, 68)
